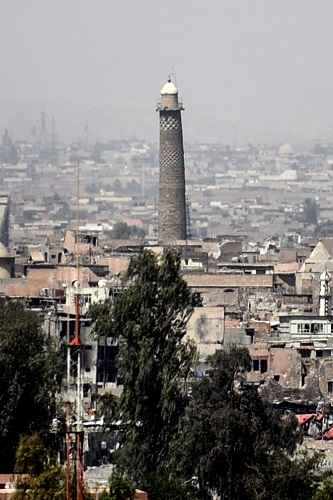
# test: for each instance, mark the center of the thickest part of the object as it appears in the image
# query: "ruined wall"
(214, 297)
(304, 282)
(116, 264)
(326, 375)
(229, 250)
(284, 365)
(206, 328)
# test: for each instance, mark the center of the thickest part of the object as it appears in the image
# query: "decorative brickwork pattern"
(170, 122)
(172, 204)
(170, 157)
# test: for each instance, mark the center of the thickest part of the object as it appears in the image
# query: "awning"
(305, 418)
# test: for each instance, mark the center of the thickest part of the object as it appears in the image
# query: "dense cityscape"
(166, 326)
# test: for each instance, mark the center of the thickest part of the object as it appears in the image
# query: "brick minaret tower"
(172, 204)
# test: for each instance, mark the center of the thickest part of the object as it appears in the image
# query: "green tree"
(31, 455)
(325, 488)
(120, 488)
(150, 319)
(162, 486)
(107, 407)
(122, 231)
(50, 484)
(101, 316)
(29, 378)
(235, 444)
(311, 211)
(42, 479)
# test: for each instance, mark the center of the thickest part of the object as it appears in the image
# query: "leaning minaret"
(172, 204)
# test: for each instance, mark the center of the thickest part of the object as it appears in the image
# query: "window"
(107, 357)
(330, 387)
(303, 380)
(310, 328)
(87, 358)
(256, 365)
(259, 365)
(319, 354)
(263, 366)
(305, 353)
(303, 328)
(86, 389)
(304, 373)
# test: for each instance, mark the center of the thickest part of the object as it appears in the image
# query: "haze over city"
(166, 250)
(248, 70)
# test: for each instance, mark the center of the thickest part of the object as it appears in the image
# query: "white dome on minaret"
(169, 88)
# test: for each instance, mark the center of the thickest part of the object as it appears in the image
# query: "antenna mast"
(76, 428)
(79, 395)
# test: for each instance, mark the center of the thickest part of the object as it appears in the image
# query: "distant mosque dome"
(286, 150)
(169, 88)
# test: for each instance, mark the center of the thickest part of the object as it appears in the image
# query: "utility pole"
(74, 429)
(68, 459)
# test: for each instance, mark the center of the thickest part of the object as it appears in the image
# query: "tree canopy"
(120, 488)
(49, 484)
(150, 318)
(31, 455)
(311, 211)
(42, 478)
(122, 231)
(235, 444)
(29, 378)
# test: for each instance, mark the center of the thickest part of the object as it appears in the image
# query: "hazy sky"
(255, 70)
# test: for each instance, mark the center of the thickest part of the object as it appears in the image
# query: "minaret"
(172, 203)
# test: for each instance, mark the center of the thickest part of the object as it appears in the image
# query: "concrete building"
(7, 264)
(172, 203)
